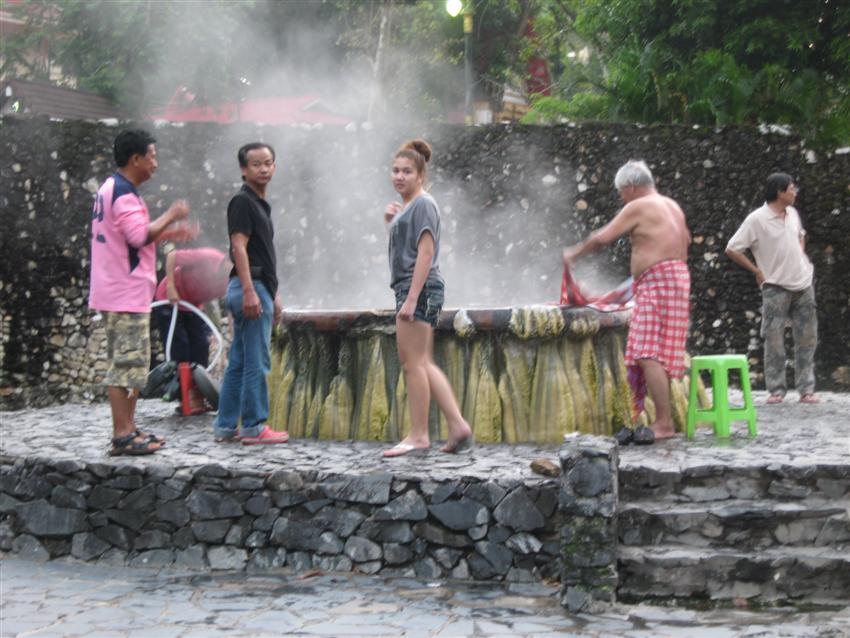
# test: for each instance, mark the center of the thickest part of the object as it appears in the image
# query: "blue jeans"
(244, 390)
(429, 304)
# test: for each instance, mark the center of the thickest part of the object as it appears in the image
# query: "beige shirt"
(775, 244)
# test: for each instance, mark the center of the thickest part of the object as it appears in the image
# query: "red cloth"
(198, 276)
(658, 328)
(573, 295)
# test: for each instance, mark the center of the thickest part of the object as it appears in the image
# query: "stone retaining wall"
(218, 518)
(510, 196)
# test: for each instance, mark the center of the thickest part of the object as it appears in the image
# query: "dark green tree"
(711, 62)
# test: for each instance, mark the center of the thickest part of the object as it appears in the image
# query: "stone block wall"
(511, 197)
(588, 500)
(212, 517)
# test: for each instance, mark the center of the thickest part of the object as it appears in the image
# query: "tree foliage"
(688, 61)
(711, 62)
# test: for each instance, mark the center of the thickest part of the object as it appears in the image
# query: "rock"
(575, 600)
(499, 556)
(518, 575)
(227, 557)
(63, 497)
(387, 532)
(427, 568)
(256, 540)
(30, 548)
(39, 518)
(329, 543)
(174, 512)
(191, 558)
(373, 489)
(524, 543)
(102, 498)
(133, 519)
(341, 521)
(265, 522)
(396, 553)
(9, 503)
(115, 535)
(140, 499)
(299, 561)
(7, 537)
(487, 493)
(285, 481)
(265, 559)
(591, 477)
(410, 506)
(477, 533)
(152, 539)
(211, 531)
(238, 532)
(545, 467)
(369, 567)
(183, 537)
(446, 557)
(258, 505)
(339, 564)
(292, 535)
(213, 470)
(205, 505)
(518, 512)
(361, 549)
(460, 571)
(439, 536)
(460, 515)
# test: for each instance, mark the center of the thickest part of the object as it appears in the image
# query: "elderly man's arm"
(622, 223)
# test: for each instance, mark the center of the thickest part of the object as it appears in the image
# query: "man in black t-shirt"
(253, 303)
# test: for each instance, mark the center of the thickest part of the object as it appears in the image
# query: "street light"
(454, 7)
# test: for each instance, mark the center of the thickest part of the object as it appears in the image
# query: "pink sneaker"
(266, 437)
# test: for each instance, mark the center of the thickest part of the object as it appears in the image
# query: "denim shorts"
(428, 305)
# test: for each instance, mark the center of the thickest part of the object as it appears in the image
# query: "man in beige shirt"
(775, 236)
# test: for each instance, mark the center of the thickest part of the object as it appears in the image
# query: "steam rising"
(331, 186)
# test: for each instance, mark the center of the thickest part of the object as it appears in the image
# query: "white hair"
(634, 173)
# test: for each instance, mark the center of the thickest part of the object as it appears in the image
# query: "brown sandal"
(153, 438)
(129, 446)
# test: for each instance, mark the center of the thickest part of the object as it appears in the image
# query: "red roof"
(302, 109)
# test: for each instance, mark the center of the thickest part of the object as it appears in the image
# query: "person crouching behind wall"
(197, 276)
(414, 250)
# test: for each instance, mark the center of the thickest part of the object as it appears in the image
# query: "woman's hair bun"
(420, 146)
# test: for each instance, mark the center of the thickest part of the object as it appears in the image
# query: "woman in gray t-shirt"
(414, 250)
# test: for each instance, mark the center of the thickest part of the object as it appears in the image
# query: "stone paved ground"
(70, 599)
(789, 433)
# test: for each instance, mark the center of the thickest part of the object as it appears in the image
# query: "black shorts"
(428, 305)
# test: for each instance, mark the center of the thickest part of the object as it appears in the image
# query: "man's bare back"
(659, 232)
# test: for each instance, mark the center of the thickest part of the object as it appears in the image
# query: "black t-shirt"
(251, 215)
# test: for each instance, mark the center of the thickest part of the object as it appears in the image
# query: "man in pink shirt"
(123, 279)
(198, 276)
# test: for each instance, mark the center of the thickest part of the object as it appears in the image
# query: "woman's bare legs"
(412, 341)
(459, 429)
(415, 341)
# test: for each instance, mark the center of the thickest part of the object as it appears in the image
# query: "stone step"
(742, 524)
(802, 574)
(718, 482)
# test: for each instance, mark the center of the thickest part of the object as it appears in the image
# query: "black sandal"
(128, 445)
(153, 438)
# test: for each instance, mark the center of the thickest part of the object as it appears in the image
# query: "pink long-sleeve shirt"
(123, 262)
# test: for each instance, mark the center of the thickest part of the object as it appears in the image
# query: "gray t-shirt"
(420, 215)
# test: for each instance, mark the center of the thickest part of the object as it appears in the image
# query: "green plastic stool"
(720, 414)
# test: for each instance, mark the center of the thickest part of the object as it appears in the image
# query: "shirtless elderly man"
(658, 329)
